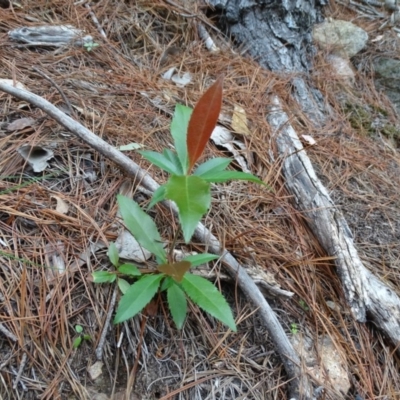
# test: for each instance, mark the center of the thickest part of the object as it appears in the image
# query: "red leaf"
(203, 121)
(175, 270)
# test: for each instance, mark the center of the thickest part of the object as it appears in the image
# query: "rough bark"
(278, 35)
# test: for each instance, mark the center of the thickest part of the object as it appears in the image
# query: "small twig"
(7, 333)
(132, 376)
(19, 374)
(209, 42)
(14, 371)
(65, 98)
(96, 21)
(188, 14)
(99, 349)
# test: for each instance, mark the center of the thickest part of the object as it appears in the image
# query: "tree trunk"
(278, 34)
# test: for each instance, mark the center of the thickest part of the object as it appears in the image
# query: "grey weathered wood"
(365, 293)
(50, 35)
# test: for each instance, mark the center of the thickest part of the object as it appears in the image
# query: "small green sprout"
(304, 305)
(89, 46)
(81, 336)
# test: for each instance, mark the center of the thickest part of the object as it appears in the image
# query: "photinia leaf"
(203, 121)
(224, 176)
(173, 157)
(113, 255)
(137, 297)
(192, 196)
(166, 283)
(207, 297)
(214, 165)
(123, 285)
(141, 226)
(177, 304)
(161, 161)
(158, 195)
(103, 277)
(175, 270)
(129, 269)
(179, 127)
(198, 259)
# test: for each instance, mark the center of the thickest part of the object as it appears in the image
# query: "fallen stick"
(299, 385)
(365, 293)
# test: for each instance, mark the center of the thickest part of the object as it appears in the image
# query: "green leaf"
(103, 277)
(141, 226)
(77, 342)
(173, 157)
(137, 297)
(78, 329)
(113, 255)
(160, 161)
(166, 283)
(179, 127)
(198, 259)
(123, 285)
(130, 146)
(177, 304)
(192, 196)
(207, 297)
(158, 195)
(129, 269)
(213, 165)
(224, 176)
(87, 337)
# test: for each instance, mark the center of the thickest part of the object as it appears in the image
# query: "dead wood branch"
(299, 384)
(366, 294)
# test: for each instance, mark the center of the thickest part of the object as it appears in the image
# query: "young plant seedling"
(190, 130)
(304, 305)
(89, 46)
(294, 328)
(81, 336)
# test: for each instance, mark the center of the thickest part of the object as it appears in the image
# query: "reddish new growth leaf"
(175, 270)
(203, 121)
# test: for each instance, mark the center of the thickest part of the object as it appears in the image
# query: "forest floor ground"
(55, 225)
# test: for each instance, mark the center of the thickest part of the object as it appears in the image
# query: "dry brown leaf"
(95, 370)
(19, 124)
(239, 120)
(36, 156)
(62, 207)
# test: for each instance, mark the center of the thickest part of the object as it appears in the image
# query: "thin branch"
(65, 98)
(99, 349)
(366, 294)
(19, 374)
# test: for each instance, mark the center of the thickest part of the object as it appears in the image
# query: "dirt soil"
(55, 224)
